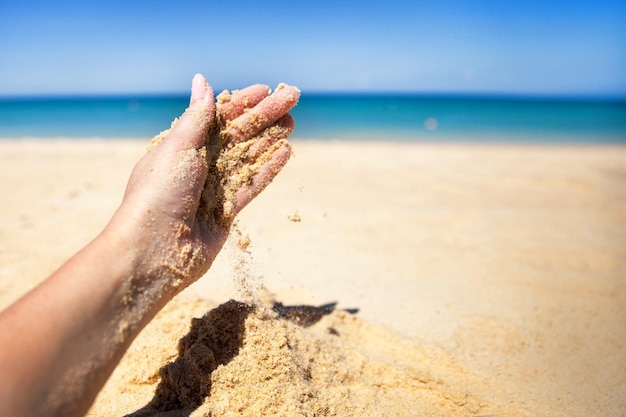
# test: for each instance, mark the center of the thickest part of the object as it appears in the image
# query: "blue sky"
(441, 46)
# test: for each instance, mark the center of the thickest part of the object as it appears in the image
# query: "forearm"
(87, 313)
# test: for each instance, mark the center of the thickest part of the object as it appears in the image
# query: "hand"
(174, 220)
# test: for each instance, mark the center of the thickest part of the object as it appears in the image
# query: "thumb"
(191, 130)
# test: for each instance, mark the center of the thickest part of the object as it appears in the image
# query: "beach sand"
(490, 279)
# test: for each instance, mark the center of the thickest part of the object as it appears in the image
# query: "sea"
(386, 117)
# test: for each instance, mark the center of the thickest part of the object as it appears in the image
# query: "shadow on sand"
(213, 340)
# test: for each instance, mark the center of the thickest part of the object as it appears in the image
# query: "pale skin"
(60, 342)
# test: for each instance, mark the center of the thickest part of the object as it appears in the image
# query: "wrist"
(137, 290)
(157, 256)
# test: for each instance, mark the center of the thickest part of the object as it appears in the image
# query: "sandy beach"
(490, 279)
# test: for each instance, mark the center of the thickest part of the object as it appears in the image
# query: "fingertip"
(200, 90)
(233, 104)
(282, 155)
(289, 93)
(274, 164)
(192, 127)
(259, 86)
(197, 88)
(264, 114)
(263, 177)
(287, 122)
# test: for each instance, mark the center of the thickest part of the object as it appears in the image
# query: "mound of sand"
(241, 360)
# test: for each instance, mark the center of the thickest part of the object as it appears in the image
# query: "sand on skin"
(489, 279)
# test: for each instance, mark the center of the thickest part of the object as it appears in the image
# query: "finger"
(191, 130)
(263, 115)
(232, 105)
(279, 130)
(262, 178)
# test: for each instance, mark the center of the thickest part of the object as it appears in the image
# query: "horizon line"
(502, 95)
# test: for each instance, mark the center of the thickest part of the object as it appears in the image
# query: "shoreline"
(496, 140)
(505, 257)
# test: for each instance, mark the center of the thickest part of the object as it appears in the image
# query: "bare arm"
(61, 341)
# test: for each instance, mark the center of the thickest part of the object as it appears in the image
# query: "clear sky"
(136, 46)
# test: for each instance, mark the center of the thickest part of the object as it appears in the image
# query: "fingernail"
(198, 88)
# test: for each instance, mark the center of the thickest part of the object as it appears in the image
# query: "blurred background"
(394, 70)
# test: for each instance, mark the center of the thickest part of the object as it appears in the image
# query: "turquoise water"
(326, 116)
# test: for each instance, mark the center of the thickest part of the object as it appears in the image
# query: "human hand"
(185, 192)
